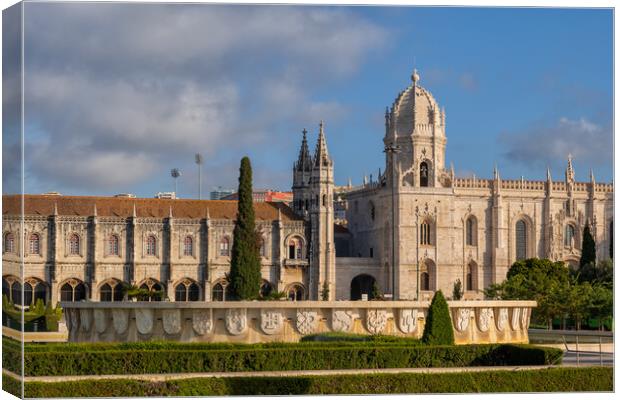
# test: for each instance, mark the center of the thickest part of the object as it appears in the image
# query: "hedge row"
(545, 380)
(285, 358)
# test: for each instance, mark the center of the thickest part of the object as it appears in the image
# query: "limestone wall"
(283, 321)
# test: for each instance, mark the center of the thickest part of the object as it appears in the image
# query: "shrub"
(438, 327)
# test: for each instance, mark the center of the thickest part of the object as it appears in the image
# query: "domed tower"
(416, 126)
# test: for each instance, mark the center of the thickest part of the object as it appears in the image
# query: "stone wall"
(283, 321)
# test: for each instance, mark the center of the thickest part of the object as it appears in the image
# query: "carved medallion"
(271, 321)
(101, 322)
(120, 320)
(85, 319)
(502, 318)
(172, 321)
(202, 321)
(514, 322)
(376, 320)
(407, 320)
(236, 320)
(484, 319)
(462, 321)
(144, 320)
(307, 321)
(342, 320)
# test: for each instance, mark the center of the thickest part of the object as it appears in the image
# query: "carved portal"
(407, 320)
(462, 321)
(144, 320)
(484, 319)
(202, 321)
(236, 320)
(120, 320)
(307, 321)
(342, 320)
(85, 319)
(271, 321)
(172, 321)
(502, 318)
(101, 322)
(376, 320)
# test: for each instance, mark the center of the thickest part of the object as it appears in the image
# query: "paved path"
(588, 359)
(166, 377)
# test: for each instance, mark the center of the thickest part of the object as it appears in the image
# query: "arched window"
(151, 245)
(111, 291)
(372, 211)
(16, 293)
(324, 200)
(225, 247)
(425, 233)
(9, 243)
(569, 235)
(187, 290)
(424, 174)
(425, 281)
(188, 246)
(113, 245)
(295, 292)
(27, 294)
(469, 282)
(74, 244)
(265, 289)
(217, 292)
(73, 290)
(294, 249)
(521, 240)
(6, 288)
(34, 247)
(470, 231)
(155, 288)
(40, 292)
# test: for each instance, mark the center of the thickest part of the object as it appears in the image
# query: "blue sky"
(118, 94)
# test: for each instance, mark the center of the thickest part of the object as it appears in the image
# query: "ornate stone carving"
(144, 320)
(101, 322)
(307, 321)
(342, 320)
(376, 320)
(120, 320)
(271, 321)
(172, 321)
(407, 320)
(525, 317)
(484, 319)
(514, 322)
(236, 320)
(501, 318)
(462, 321)
(85, 319)
(202, 321)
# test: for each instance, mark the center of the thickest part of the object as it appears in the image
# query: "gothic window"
(218, 292)
(73, 290)
(425, 233)
(111, 291)
(74, 244)
(372, 211)
(16, 293)
(324, 200)
(34, 289)
(521, 240)
(425, 281)
(569, 235)
(34, 247)
(27, 294)
(113, 245)
(187, 290)
(151, 245)
(424, 174)
(9, 243)
(225, 247)
(155, 288)
(295, 249)
(471, 270)
(188, 246)
(470, 231)
(295, 292)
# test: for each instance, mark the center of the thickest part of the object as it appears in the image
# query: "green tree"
(245, 274)
(588, 248)
(601, 305)
(438, 327)
(457, 290)
(375, 292)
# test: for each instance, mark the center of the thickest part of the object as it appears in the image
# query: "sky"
(116, 95)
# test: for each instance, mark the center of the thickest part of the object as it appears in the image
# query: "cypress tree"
(438, 327)
(245, 274)
(588, 248)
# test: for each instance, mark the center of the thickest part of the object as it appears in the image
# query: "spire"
(55, 208)
(170, 213)
(94, 209)
(415, 77)
(208, 215)
(304, 162)
(350, 184)
(495, 172)
(570, 172)
(321, 156)
(592, 177)
(548, 174)
(134, 214)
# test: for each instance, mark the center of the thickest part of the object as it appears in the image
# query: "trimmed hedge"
(545, 380)
(236, 358)
(438, 326)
